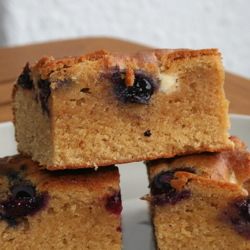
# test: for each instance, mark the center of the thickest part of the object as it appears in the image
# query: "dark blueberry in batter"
(11, 221)
(161, 182)
(239, 214)
(147, 133)
(243, 207)
(163, 192)
(141, 91)
(23, 191)
(44, 94)
(23, 201)
(24, 79)
(114, 203)
(22, 206)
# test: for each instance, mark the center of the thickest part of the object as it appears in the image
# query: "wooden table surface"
(13, 59)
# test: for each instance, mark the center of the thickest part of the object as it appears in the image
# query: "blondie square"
(201, 201)
(105, 108)
(77, 209)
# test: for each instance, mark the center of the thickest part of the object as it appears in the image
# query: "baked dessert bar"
(77, 209)
(201, 201)
(105, 108)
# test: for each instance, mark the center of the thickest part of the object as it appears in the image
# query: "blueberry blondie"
(201, 201)
(58, 210)
(105, 108)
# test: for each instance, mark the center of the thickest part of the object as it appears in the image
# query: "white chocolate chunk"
(232, 178)
(168, 83)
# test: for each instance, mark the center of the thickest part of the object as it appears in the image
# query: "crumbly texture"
(95, 110)
(194, 201)
(66, 210)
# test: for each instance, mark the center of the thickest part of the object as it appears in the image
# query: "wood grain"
(13, 59)
(237, 91)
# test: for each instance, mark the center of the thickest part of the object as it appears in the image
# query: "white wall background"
(161, 23)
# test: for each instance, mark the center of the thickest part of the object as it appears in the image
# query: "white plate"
(137, 231)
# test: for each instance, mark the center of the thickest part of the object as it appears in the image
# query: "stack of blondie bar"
(76, 117)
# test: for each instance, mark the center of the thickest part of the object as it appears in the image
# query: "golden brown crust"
(227, 166)
(90, 179)
(184, 178)
(210, 165)
(153, 59)
(175, 54)
(211, 170)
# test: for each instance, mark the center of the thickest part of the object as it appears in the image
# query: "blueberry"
(162, 190)
(44, 94)
(114, 203)
(22, 206)
(140, 92)
(23, 191)
(161, 182)
(239, 214)
(23, 201)
(243, 207)
(24, 79)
